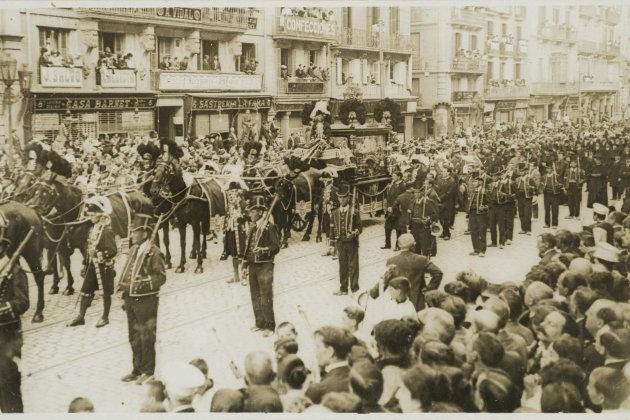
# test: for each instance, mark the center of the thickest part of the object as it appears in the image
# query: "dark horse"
(62, 203)
(187, 205)
(20, 219)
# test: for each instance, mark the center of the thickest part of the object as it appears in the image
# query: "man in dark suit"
(142, 277)
(261, 247)
(546, 248)
(396, 188)
(14, 302)
(332, 346)
(413, 267)
(447, 192)
(346, 228)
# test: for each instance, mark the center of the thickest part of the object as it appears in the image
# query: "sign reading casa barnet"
(307, 26)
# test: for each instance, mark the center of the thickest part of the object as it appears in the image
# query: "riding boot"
(236, 263)
(84, 304)
(107, 304)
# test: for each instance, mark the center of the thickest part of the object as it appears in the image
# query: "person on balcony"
(165, 64)
(56, 59)
(44, 58)
(175, 64)
(129, 63)
(183, 65)
(216, 64)
(284, 72)
(310, 71)
(206, 65)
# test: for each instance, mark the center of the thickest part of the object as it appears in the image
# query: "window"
(313, 56)
(373, 16)
(248, 54)
(54, 40)
(490, 72)
(346, 17)
(517, 71)
(502, 71)
(519, 32)
(284, 58)
(504, 29)
(542, 15)
(556, 16)
(394, 20)
(115, 42)
(415, 87)
(490, 28)
(455, 84)
(211, 49)
(473, 42)
(458, 41)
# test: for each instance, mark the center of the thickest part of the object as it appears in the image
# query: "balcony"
(521, 48)
(497, 93)
(300, 27)
(598, 86)
(506, 49)
(396, 91)
(166, 80)
(61, 77)
(463, 96)
(558, 33)
(119, 78)
(589, 12)
(589, 48)
(520, 13)
(231, 20)
(550, 88)
(612, 50)
(372, 91)
(359, 38)
(396, 42)
(613, 16)
(468, 65)
(467, 18)
(297, 86)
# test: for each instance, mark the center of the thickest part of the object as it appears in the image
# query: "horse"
(308, 189)
(20, 219)
(187, 205)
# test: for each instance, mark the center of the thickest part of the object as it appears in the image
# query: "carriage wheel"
(298, 224)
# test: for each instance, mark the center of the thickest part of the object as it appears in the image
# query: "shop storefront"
(520, 111)
(78, 116)
(210, 114)
(504, 111)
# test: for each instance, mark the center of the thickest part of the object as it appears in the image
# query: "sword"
(235, 370)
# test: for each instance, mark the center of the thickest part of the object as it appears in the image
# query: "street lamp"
(8, 73)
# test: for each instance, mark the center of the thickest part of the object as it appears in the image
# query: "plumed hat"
(148, 151)
(249, 146)
(168, 145)
(55, 163)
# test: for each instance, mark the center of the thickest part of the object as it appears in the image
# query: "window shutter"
(376, 69)
(278, 61)
(339, 71)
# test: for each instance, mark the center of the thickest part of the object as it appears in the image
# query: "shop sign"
(305, 87)
(464, 95)
(573, 102)
(92, 104)
(252, 23)
(199, 81)
(61, 76)
(118, 78)
(505, 105)
(307, 26)
(541, 100)
(215, 104)
(179, 13)
(289, 107)
(522, 104)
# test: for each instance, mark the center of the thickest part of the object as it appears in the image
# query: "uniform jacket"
(447, 192)
(393, 191)
(403, 203)
(572, 175)
(151, 276)
(268, 238)
(342, 226)
(478, 201)
(413, 267)
(14, 299)
(106, 245)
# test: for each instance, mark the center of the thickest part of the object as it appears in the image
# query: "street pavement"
(60, 363)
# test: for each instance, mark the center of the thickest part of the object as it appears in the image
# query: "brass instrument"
(480, 206)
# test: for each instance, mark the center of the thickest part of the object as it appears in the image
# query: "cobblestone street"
(60, 363)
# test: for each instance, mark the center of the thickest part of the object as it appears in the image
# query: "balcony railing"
(116, 78)
(557, 33)
(167, 80)
(549, 88)
(371, 91)
(506, 92)
(396, 42)
(358, 38)
(589, 11)
(467, 18)
(468, 65)
(612, 50)
(234, 18)
(396, 91)
(598, 86)
(64, 77)
(613, 16)
(589, 47)
(463, 96)
(521, 48)
(297, 86)
(302, 26)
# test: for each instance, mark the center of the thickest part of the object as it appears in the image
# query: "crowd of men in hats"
(556, 341)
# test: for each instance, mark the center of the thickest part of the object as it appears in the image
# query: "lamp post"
(8, 73)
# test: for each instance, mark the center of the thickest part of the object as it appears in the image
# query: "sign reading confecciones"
(92, 104)
(308, 26)
(214, 104)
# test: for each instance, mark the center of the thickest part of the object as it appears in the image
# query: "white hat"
(98, 205)
(182, 379)
(607, 252)
(600, 209)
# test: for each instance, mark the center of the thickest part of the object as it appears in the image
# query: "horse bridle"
(167, 174)
(47, 204)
